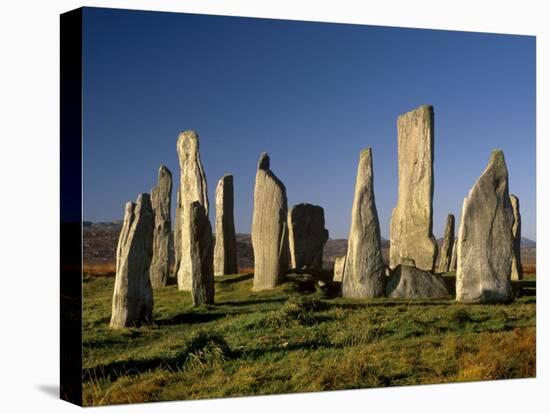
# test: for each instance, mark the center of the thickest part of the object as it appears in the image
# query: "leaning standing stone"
(446, 251)
(192, 188)
(269, 231)
(162, 235)
(485, 243)
(411, 238)
(517, 271)
(339, 265)
(201, 250)
(364, 275)
(225, 250)
(307, 236)
(133, 295)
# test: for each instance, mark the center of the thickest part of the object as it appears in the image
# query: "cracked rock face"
(446, 251)
(411, 238)
(269, 229)
(133, 296)
(517, 271)
(364, 269)
(192, 188)
(201, 255)
(307, 236)
(339, 264)
(225, 251)
(162, 235)
(485, 243)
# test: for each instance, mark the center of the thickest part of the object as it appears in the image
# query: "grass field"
(296, 338)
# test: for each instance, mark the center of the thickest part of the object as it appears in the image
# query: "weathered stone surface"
(133, 296)
(452, 266)
(339, 264)
(411, 238)
(192, 188)
(485, 245)
(162, 235)
(307, 236)
(201, 255)
(446, 250)
(364, 269)
(269, 230)
(407, 282)
(225, 251)
(177, 233)
(517, 271)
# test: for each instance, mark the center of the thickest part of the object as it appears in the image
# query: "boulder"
(225, 250)
(485, 244)
(201, 255)
(192, 188)
(446, 251)
(517, 271)
(133, 296)
(407, 282)
(364, 268)
(269, 230)
(162, 236)
(411, 238)
(307, 236)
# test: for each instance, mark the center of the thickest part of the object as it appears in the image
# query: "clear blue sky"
(310, 94)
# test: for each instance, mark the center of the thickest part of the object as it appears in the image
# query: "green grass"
(296, 338)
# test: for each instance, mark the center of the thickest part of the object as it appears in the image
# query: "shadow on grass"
(189, 318)
(250, 302)
(236, 279)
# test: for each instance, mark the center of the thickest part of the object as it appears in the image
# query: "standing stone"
(177, 234)
(485, 244)
(452, 266)
(225, 250)
(133, 295)
(411, 240)
(517, 271)
(364, 275)
(200, 255)
(192, 188)
(269, 231)
(307, 236)
(339, 265)
(447, 247)
(162, 235)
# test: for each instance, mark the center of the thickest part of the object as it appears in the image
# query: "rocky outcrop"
(133, 296)
(225, 251)
(364, 268)
(517, 271)
(446, 251)
(269, 230)
(407, 282)
(162, 235)
(307, 236)
(201, 251)
(485, 244)
(411, 238)
(192, 188)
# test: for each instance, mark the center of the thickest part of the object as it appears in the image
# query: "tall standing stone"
(133, 296)
(446, 250)
(411, 239)
(177, 234)
(452, 266)
(517, 271)
(364, 273)
(201, 251)
(225, 250)
(162, 235)
(485, 244)
(307, 236)
(269, 230)
(192, 188)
